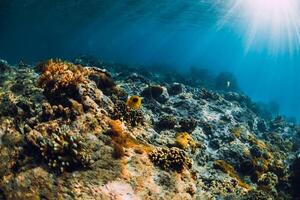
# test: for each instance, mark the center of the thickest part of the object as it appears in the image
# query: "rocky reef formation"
(93, 130)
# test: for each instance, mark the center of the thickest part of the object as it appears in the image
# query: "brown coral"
(132, 117)
(57, 74)
(61, 80)
(228, 169)
(70, 85)
(104, 81)
(62, 148)
(170, 159)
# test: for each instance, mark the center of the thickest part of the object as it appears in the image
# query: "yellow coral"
(254, 141)
(134, 102)
(184, 140)
(236, 131)
(228, 169)
(265, 161)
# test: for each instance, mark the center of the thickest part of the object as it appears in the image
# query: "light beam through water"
(271, 25)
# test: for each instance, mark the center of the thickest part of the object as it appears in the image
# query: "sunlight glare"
(271, 24)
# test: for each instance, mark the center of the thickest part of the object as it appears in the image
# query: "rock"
(261, 126)
(4, 66)
(188, 125)
(156, 92)
(295, 178)
(175, 89)
(166, 122)
(208, 95)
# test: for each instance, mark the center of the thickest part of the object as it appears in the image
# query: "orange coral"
(116, 128)
(123, 139)
(57, 73)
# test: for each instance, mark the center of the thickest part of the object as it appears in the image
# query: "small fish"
(228, 84)
(134, 102)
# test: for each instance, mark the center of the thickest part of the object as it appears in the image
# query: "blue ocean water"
(257, 42)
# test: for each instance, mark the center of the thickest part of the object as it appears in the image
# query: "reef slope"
(69, 131)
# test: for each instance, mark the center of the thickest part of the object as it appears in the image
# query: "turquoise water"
(257, 42)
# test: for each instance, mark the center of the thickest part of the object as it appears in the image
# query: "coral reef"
(77, 131)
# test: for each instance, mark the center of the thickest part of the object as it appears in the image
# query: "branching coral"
(61, 79)
(70, 85)
(59, 74)
(170, 159)
(62, 148)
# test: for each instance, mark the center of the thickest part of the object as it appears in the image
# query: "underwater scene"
(150, 100)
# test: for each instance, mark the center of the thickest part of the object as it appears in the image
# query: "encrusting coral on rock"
(122, 111)
(81, 131)
(63, 149)
(170, 159)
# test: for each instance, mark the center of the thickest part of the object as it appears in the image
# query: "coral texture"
(75, 131)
